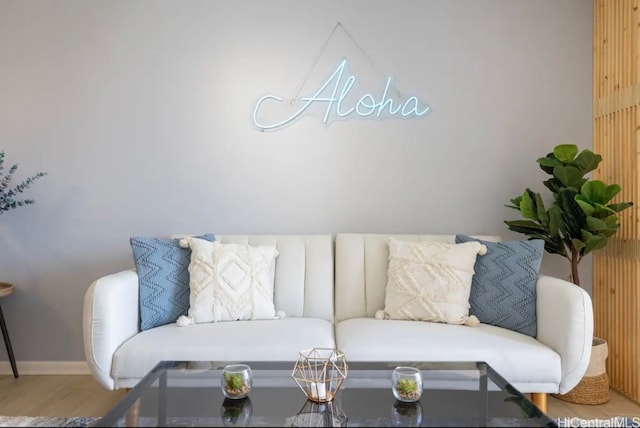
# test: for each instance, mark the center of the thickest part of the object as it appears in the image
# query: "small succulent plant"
(234, 381)
(236, 385)
(407, 386)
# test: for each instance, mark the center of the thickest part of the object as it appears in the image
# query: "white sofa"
(119, 354)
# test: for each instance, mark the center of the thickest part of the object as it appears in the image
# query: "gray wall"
(141, 113)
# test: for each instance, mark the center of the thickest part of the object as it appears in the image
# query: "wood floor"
(83, 396)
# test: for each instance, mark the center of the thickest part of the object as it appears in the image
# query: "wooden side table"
(5, 290)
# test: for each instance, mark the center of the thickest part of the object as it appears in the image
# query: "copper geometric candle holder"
(319, 372)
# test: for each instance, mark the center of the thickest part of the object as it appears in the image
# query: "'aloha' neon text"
(366, 107)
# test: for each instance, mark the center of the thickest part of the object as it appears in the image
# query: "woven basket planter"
(593, 388)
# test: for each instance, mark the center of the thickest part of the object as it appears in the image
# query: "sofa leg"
(540, 400)
(133, 414)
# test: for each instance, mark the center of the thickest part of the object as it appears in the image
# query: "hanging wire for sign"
(321, 51)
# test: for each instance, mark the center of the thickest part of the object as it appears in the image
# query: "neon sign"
(366, 107)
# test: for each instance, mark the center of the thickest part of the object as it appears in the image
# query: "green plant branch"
(8, 194)
(581, 218)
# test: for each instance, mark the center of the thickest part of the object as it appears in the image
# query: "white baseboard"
(46, 368)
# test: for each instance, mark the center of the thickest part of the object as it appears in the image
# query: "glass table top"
(189, 393)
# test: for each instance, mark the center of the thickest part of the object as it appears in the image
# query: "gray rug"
(44, 421)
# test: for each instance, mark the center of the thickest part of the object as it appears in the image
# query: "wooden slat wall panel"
(616, 122)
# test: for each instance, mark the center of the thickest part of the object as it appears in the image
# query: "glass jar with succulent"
(236, 381)
(406, 384)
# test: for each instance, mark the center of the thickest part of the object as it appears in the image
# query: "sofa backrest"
(361, 264)
(304, 272)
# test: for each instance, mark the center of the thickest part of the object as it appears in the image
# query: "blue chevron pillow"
(503, 288)
(163, 279)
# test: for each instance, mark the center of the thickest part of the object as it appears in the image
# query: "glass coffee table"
(180, 393)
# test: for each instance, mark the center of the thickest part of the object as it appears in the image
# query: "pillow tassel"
(184, 321)
(471, 321)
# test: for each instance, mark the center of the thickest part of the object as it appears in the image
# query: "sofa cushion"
(229, 282)
(503, 289)
(257, 340)
(163, 279)
(430, 281)
(519, 358)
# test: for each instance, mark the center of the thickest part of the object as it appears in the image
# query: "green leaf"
(569, 176)
(602, 211)
(515, 202)
(611, 221)
(578, 244)
(565, 152)
(553, 244)
(573, 218)
(587, 161)
(595, 243)
(595, 224)
(555, 249)
(553, 184)
(542, 236)
(594, 191)
(541, 211)
(586, 235)
(526, 227)
(548, 163)
(550, 160)
(555, 218)
(525, 224)
(611, 191)
(527, 206)
(586, 207)
(621, 206)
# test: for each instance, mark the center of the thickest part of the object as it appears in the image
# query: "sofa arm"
(565, 324)
(110, 317)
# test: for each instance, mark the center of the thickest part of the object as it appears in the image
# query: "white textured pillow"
(430, 281)
(229, 282)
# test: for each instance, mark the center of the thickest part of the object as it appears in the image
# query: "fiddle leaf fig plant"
(581, 217)
(8, 195)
